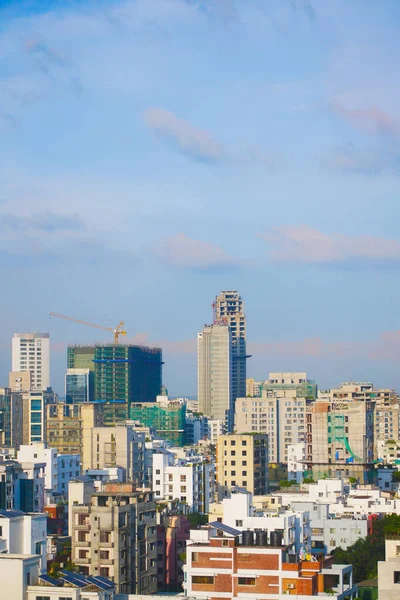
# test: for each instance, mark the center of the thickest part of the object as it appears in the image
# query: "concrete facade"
(31, 352)
(242, 460)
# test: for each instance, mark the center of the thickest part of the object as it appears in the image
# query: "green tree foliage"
(196, 519)
(286, 484)
(365, 553)
(396, 476)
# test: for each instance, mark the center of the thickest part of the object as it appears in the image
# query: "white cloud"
(183, 251)
(301, 243)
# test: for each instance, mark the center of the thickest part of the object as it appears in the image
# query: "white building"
(191, 481)
(389, 572)
(214, 348)
(239, 513)
(296, 454)
(23, 485)
(60, 468)
(216, 427)
(31, 352)
(21, 533)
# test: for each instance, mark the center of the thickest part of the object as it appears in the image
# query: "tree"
(195, 519)
(365, 553)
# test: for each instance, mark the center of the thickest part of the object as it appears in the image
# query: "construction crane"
(117, 331)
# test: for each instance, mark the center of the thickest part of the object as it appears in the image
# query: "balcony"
(82, 544)
(82, 561)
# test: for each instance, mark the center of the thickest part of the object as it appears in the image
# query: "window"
(233, 452)
(244, 452)
(244, 473)
(104, 536)
(195, 557)
(46, 598)
(246, 581)
(233, 473)
(83, 553)
(81, 536)
(207, 579)
(158, 471)
(64, 598)
(396, 576)
(244, 443)
(104, 571)
(183, 477)
(104, 554)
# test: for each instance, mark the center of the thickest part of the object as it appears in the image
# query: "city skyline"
(155, 152)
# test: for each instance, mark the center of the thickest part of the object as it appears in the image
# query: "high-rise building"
(214, 347)
(34, 414)
(31, 352)
(229, 309)
(122, 373)
(79, 386)
(242, 461)
(68, 424)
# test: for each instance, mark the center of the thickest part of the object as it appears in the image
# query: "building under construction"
(122, 374)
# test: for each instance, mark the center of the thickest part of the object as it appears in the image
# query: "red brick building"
(220, 566)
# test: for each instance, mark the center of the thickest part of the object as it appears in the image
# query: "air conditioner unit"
(291, 586)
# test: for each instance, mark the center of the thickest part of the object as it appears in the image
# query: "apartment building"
(22, 533)
(223, 563)
(115, 536)
(242, 460)
(214, 370)
(216, 427)
(191, 480)
(11, 418)
(228, 309)
(20, 381)
(31, 352)
(340, 437)
(59, 469)
(253, 388)
(389, 571)
(22, 486)
(119, 446)
(67, 425)
(35, 405)
(172, 535)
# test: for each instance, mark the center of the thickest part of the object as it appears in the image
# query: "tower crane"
(117, 331)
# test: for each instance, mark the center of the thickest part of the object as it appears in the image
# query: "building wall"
(16, 571)
(214, 346)
(242, 460)
(11, 418)
(31, 352)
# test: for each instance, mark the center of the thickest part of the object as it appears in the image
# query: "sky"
(155, 152)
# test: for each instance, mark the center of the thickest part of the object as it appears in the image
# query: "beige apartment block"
(281, 414)
(119, 446)
(253, 388)
(20, 381)
(68, 424)
(115, 536)
(339, 437)
(242, 460)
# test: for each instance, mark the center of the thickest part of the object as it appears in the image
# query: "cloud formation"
(191, 141)
(301, 243)
(371, 119)
(350, 160)
(47, 222)
(182, 251)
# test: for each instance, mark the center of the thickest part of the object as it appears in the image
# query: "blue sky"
(154, 152)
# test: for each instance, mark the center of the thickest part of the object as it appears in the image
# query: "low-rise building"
(22, 486)
(189, 480)
(225, 563)
(114, 535)
(389, 571)
(22, 533)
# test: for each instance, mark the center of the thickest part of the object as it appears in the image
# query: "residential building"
(20, 381)
(115, 536)
(31, 352)
(79, 386)
(11, 418)
(284, 381)
(239, 512)
(122, 373)
(191, 481)
(235, 564)
(196, 429)
(119, 446)
(340, 438)
(296, 461)
(21, 574)
(229, 309)
(389, 571)
(172, 536)
(242, 460)
(59, 469)
(388, 452)
(67, 425)
(166, 416)
(22, 533)
(216, 427)
(214, 353)
(22, 486)
(34, 414)
(253, 388)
